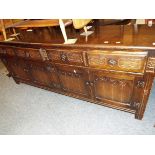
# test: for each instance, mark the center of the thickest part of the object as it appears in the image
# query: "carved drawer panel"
(20, 52)
(74, 57)
(28, 53)
(54, 56)
(7, 51)
(118, 60)
(2, 51)
(10, 51)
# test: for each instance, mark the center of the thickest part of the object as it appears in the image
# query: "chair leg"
(3, 29)
(4, 34)
(14, 31)
(63, 30)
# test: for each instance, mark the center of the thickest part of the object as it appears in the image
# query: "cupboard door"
(113, 87)
(44, 74)
(73, 80)
(19, 69)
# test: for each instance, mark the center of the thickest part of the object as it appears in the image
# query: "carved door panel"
(74, 80)
(113, 87)
(44, 74)
(19, 69)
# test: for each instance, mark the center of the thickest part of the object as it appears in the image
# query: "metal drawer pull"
(63, 57)
(112, 62)
(26, 70)
(89, 83)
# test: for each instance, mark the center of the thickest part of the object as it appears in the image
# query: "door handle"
(63, 57)
(112, 62)
(89, 83)
(26, 70)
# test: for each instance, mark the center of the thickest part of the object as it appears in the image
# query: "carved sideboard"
(119, 76)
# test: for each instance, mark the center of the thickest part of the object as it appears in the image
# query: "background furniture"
(8, 24)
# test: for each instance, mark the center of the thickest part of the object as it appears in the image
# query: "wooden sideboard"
(114, 68)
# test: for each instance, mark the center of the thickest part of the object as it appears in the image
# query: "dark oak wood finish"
(114, 68)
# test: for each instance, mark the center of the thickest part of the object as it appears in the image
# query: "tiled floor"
(28, 110)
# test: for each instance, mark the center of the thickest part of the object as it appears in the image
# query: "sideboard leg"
(138, 116)
(9, 75)
(17, 82)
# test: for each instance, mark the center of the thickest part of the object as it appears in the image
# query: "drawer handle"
(50, 69)
(88, 83)
(112, 62)
(26, 70)
(63, 57)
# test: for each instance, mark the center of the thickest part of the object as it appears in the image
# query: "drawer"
(117, 60)
(73, 57)
(28, 53)
(7, 51)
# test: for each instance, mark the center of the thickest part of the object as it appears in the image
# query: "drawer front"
(118, 60)
(7, 51)
(28, 53)
(73, 57)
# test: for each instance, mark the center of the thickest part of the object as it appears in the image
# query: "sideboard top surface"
(113, 35)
